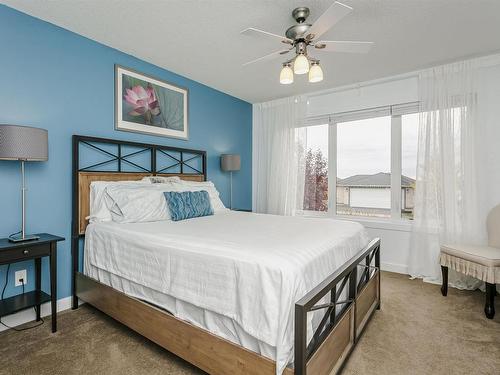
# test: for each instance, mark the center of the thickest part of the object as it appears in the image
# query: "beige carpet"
(417, 332)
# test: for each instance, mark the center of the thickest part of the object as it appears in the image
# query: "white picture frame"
(147, 105)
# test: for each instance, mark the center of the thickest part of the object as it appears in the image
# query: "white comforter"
(251, 268)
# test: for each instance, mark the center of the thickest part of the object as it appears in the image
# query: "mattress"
(236, 274)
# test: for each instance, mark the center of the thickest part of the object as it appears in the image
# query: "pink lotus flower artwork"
(143, 102)
(148, 105)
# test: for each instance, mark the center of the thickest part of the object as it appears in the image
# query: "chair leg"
(444, 286)
(489, 307)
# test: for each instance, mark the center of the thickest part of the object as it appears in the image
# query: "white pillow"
(99, 202)
(217, 205)
(161, 179)
(146, 202)
(137, 204)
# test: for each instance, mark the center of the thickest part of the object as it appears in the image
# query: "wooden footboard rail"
(345, 317)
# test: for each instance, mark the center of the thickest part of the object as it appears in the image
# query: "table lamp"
(23, 143)
(230, 163)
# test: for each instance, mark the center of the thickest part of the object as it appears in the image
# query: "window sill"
(379, 223)
(372, 223)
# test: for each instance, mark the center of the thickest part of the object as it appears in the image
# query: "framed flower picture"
(144, 104)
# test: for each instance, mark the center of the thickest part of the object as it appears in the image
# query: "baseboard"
(28, 315)
(394, 267)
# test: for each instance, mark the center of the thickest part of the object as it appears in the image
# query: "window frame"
(395, 112)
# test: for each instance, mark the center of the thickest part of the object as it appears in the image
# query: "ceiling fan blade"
(343, 46)
(251, 31)
(332, 15)
(268, 57)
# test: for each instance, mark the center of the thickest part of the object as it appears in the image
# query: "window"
(364, 167)
(409, 137)
(316, 168)
(373, 166)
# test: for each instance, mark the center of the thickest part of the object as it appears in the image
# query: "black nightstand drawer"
(26, 252)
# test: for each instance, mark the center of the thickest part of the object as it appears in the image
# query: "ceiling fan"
(303, 35)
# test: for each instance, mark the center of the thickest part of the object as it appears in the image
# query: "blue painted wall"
(54, 79)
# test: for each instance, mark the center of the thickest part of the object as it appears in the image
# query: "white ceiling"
(201, 39)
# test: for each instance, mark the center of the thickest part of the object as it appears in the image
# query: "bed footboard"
(344, 319)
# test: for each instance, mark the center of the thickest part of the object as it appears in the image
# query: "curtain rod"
(482, 61)
(360, 85)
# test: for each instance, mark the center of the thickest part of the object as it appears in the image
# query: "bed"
(232, 293)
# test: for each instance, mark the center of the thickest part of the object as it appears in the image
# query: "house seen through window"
(364, 167)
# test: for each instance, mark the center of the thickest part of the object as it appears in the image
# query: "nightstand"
(241, 209)
(11, 252)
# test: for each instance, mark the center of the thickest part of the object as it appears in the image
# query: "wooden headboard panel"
(86, 178)
(118, 155)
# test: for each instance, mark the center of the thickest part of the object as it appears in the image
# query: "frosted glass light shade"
(301, 65)
(315, 74)
(286, 75)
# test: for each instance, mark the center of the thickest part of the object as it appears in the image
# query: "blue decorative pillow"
(188, 204)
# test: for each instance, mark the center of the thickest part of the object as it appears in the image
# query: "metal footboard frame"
(341, 316)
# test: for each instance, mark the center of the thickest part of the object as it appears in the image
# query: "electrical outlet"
(21, 275)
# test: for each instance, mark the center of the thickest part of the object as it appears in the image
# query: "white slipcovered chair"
(481, 262)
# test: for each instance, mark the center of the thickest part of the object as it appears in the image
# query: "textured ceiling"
(201, 39)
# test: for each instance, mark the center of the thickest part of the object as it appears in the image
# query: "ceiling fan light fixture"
(303, 35)
(301, 64)
(286, 75)
(315, 73)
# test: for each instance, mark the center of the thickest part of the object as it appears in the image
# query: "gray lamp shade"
(230, 162)
(23, 143)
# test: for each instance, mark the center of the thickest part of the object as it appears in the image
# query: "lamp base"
(20, 238)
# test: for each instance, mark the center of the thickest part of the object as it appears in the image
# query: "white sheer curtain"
(446, 204)
(278, 155)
